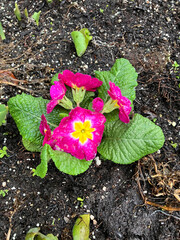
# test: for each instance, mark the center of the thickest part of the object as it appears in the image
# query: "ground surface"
(147, 34)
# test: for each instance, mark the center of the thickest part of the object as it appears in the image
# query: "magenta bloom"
(46, 132)
(57, 93)
(123, 103)
(80, 133)
(79, 80)
(97, 104)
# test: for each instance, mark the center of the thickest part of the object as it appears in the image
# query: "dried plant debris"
(159, 183)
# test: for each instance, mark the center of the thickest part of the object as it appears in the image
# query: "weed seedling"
(3, 192)
(17, 11)
(2, 35)
(36, 16)
(3, 152)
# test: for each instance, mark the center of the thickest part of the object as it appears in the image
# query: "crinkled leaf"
(81, 40)
(26, 111)
(123, 75)
(42, 168)
(66, 163)
(126, 143)
(3, 113)
(32, 146)
(112, 116)
(81, 228)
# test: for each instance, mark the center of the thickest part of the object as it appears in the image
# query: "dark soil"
(147, 34)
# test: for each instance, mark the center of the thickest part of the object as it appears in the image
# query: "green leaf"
(3, 113)
(55, 78)
(34, 234)
(42, 168)
(17, 11)
(126, 143)
(81, 40)
(81, 228)
(66, 163)
(87, 99)
(36, 16)
(32, 146)
(26, 13)
(2, 35)
(26, 111)
(123, 75)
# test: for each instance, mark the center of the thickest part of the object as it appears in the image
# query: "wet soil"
(147, 34)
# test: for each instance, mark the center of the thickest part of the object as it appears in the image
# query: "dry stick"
(13, 84)
(149, 202)
(10, 224)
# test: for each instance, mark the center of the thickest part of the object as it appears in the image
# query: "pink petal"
(97, 104)
(58, 90)
(80, 80)
(67, 77)
(63, 133)
(114, 91)
(51, 105)
(123, 115)
(44, 127)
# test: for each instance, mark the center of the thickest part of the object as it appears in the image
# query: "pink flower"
(80, 133)
(57, 93)
(97, 104)
(46, 132)
(123, 103)
(79, 80)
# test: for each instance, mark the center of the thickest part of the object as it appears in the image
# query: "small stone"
(173, 124)
(104, 188)
(66, 219)
(94, 222)
(3, 184)
(91, 217)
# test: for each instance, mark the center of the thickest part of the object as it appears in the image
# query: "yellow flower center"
(116, 103)
(76, 87)
(83, 131)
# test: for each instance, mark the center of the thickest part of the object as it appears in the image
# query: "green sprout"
(81, 200)
(3, 152)
(26, 12)
(3, 192)
(17, 11)
(2, 35)
(174, 145)
(81, 40)
(3, 113)
(36, 16)
(101, 10)
(34, 233)
(175, 65)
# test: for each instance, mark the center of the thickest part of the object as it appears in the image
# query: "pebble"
(3, 184)
(98, 161)
(94, 222)
(66, 219)
(104, 188)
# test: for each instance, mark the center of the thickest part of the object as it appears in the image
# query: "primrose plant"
(76, 124)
